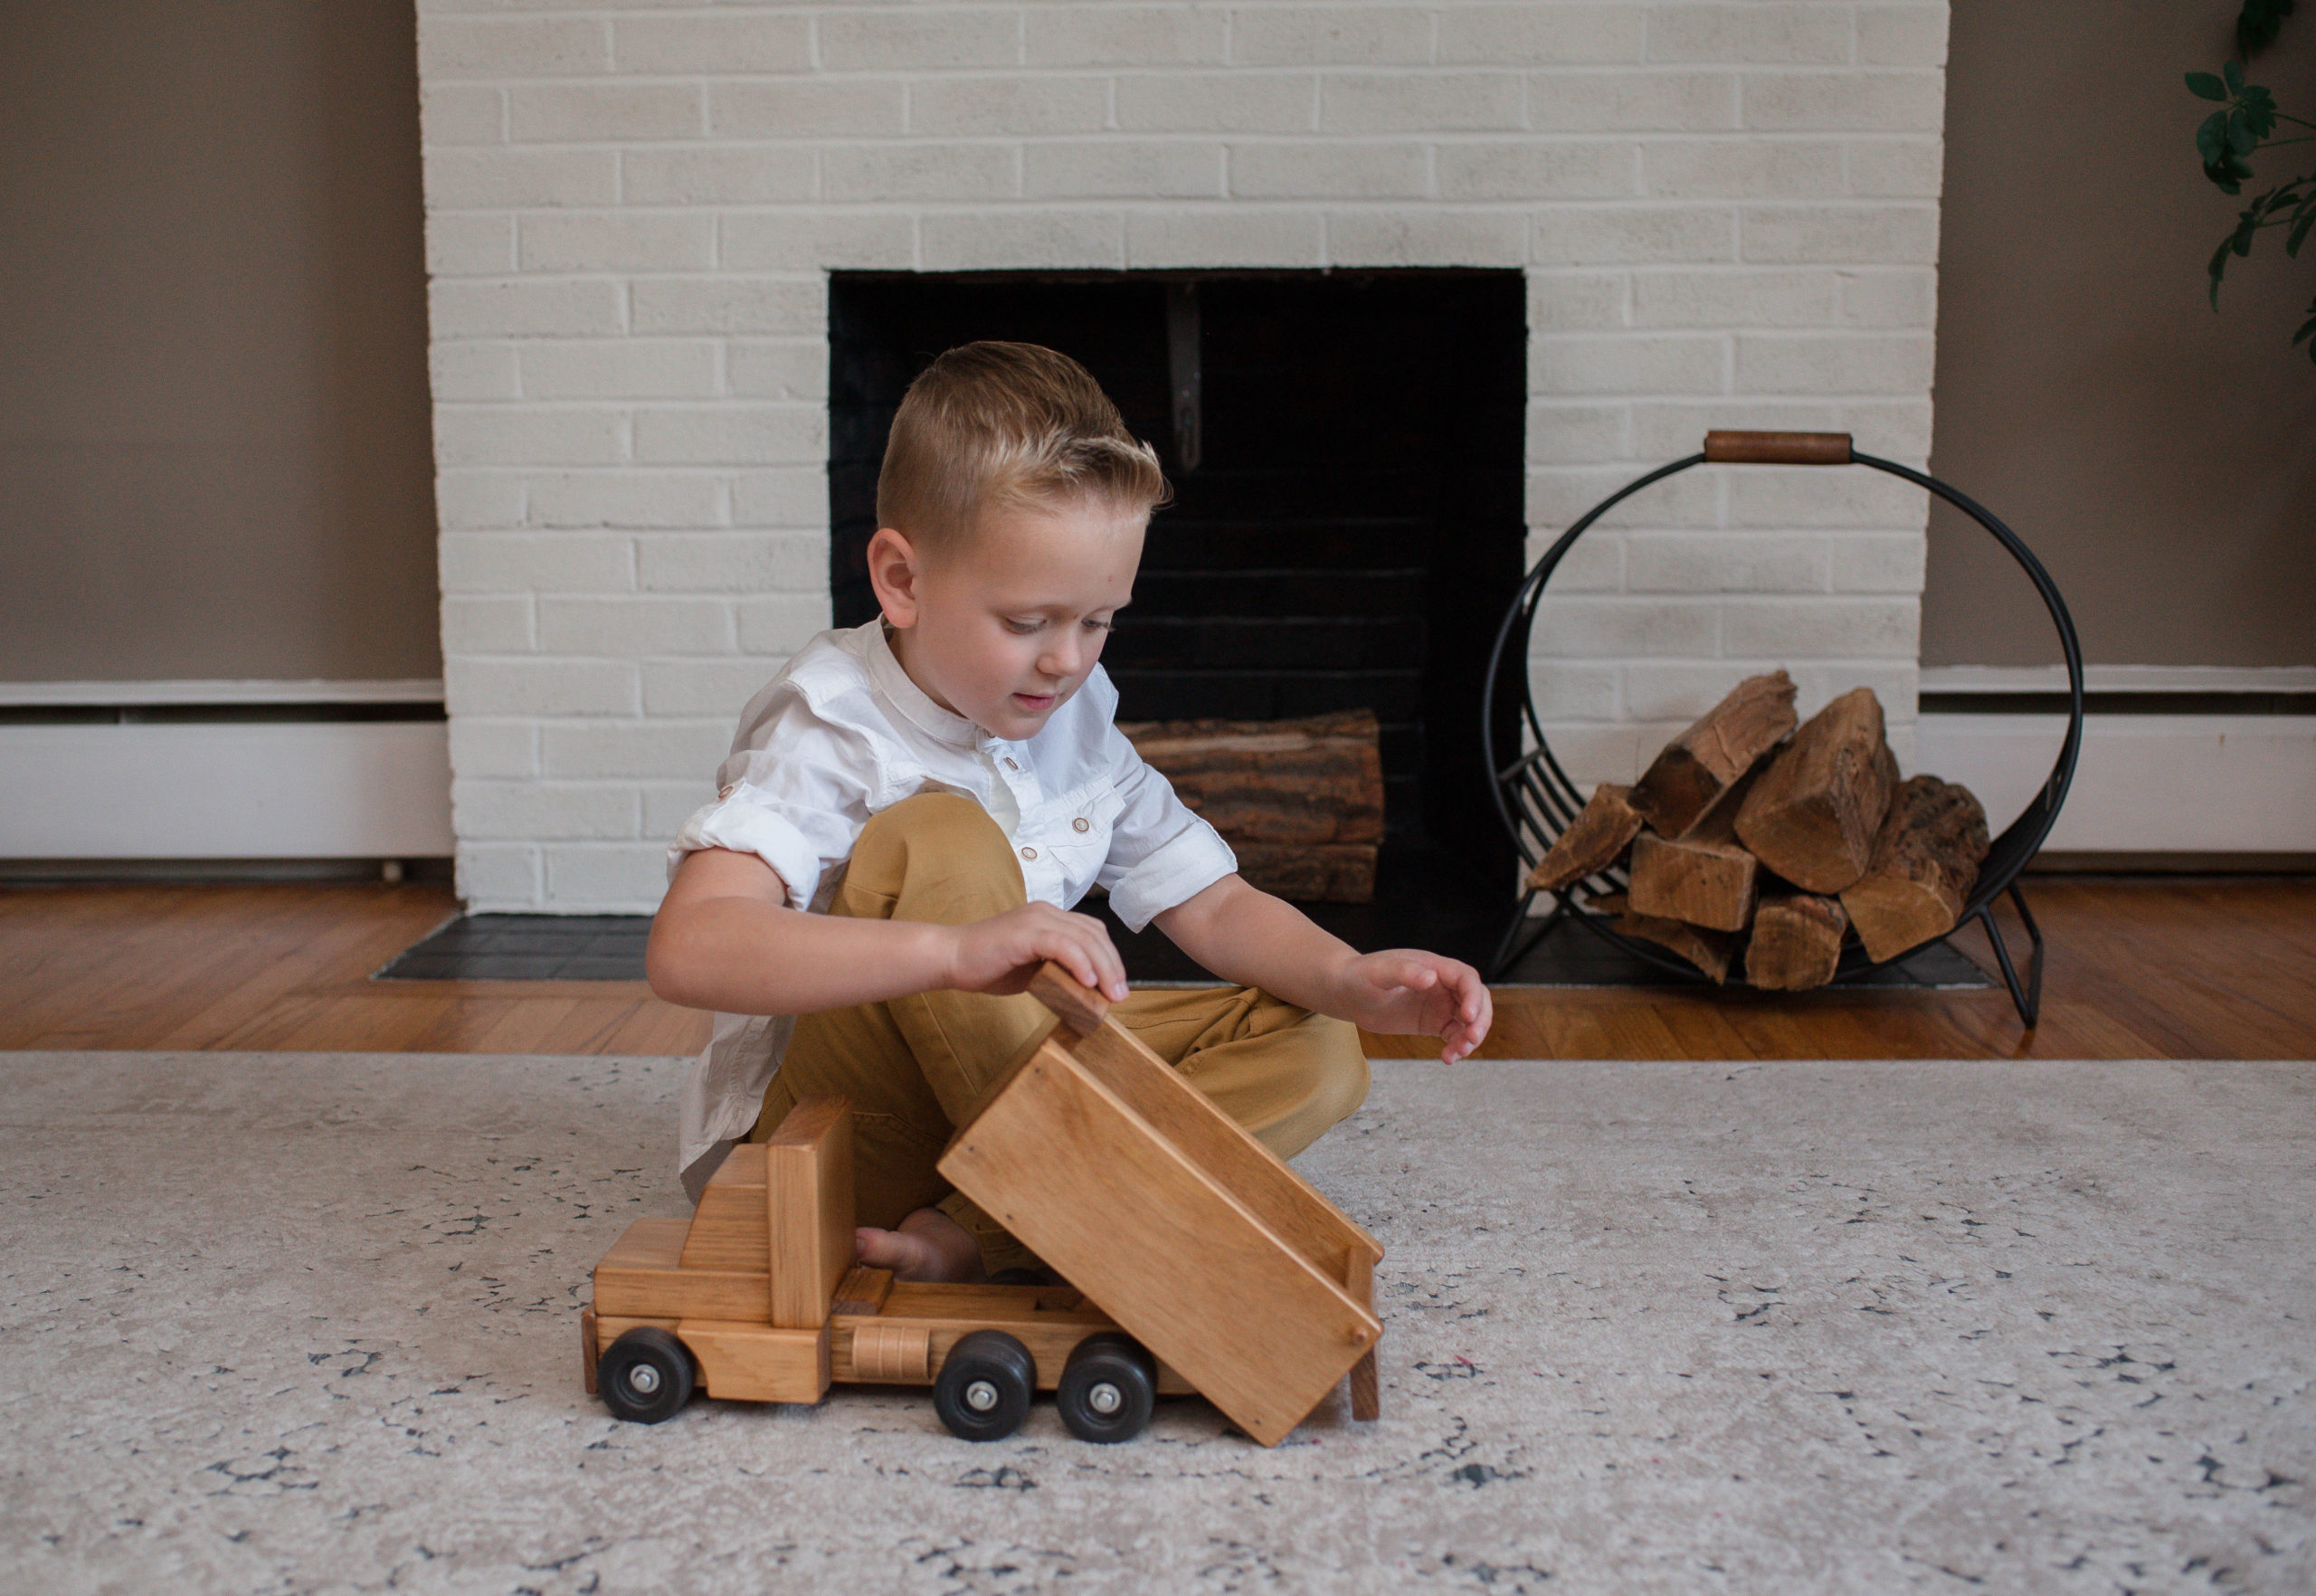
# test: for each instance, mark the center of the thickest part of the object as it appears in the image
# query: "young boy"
(912, 807)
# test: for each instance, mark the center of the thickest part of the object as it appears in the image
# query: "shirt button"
(1028, 853)
(1011, 766)
(1082, 824)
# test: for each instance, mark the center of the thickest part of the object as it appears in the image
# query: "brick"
(603, 113)
(918, 171)
(619, 368)
(1122, 168)
(457, 113)
(724, 175)
(1811, 496)
(703, 687)
(1335, 169)
(1836, 363)
(1595, 753)
(468, 245)
(1576, 302)
(1897, 168)
(511, 47)
(514, 308)
(1427, 235)
(918, 42)
(617, 241)
(1538, 34)
(817, 240)
(607, 876)
(776, 625)
(1022, 238)
(1008, 106)
(732, 434)
(1743, 169)
(1578, 434)
(1340, 35)
(487, 179)
(480, 747)
(1217, 102)
(1615, 627)
(1728, 297)
(1724, 561)
(1812, 628)
(733, 562)
(1664, 430)
(1630, 363)
(1632, 234)
(466, 500)
(630, 627)
(1235, 236)
(627, 498)
(793, 369)
(1811, 35)
(1905, 298)
(1849, 102)
(1896, 682)
(1862, 234)
(519, 562)
(474, 371)
(667, 804)
(499, 875)
(1878, 564)
(1122, 35)
(507, 686)
(1594, 563)
(798, 497)
(790, 305)
(1557, 495)
(1632, 102)
(764, 41)
(1421, 102)
(1536, 171)
(654, 750)
(1896, 429)
(496, 624)
(1562, 690)
(807, 108)
(1902, 35)
(543, 811)
(499, 435)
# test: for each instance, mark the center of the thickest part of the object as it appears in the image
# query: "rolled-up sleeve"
(796, 798)
(1161, 853)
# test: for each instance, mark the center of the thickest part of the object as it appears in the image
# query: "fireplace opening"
(1346, 450)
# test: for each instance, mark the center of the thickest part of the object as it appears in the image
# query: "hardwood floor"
(2138, 968)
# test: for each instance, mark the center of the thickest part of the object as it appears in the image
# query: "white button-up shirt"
(841, 734)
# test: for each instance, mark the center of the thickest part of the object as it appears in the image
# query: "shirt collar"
(916, 706)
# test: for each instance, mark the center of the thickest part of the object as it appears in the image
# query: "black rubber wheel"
(984, 1389)
(1107, 1389)
(645, 1376)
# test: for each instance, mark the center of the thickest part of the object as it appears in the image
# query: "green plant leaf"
(2218, 266)
(2206, 86)
(2301, 226)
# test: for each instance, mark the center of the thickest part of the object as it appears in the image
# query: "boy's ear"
(893, 566)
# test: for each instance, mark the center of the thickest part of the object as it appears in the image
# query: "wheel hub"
(643, 1380)
(981, 1396)
(1105, 1399)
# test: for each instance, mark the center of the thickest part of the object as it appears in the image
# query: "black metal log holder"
(1537, 800)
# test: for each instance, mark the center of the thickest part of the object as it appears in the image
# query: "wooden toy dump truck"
(1199, 1262)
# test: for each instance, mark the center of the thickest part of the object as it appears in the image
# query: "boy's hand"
(1000, 954)
(1405, 992)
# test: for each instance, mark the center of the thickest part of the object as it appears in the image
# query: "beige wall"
(2160, 459)
(214, 454)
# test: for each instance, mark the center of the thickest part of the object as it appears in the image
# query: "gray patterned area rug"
(282, 1322)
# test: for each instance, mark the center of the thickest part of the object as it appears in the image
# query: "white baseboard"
(322, 789)
(2153, 783)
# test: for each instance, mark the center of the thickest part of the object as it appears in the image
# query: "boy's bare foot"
(928, 1246)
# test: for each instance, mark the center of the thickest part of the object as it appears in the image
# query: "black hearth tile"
(597, 967)
(489, 966)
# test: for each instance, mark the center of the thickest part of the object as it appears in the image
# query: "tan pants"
(915, 1068)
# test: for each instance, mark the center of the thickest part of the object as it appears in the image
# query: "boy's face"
(1003, 628)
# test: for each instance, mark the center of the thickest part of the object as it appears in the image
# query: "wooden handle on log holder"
(1776, 448)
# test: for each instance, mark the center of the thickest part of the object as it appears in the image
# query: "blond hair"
(996, 425)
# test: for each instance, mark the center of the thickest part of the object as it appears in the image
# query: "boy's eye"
(1093, 624)
(1023, 628)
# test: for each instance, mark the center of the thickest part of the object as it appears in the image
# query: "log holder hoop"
(1537, 800)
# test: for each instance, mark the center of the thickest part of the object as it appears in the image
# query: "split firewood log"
(1813, 813)
(1693, 772)
(1704, 877)
(1310, 872)
(1319, 779)
(1712, 952)
(1593, 841)
(1925, 863)
(1797, 942)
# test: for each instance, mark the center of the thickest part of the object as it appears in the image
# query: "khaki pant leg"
(916, 1066)
(1285, 1073)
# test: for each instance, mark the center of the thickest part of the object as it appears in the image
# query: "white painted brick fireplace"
(1727, 215)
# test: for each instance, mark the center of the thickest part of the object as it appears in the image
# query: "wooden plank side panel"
(1050, 1340)
(758, 1363)
(729, 1230)
(807, 1197)
(1181, 1264)
(1365, 1378)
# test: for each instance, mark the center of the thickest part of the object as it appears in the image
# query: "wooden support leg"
(1366, 1385)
